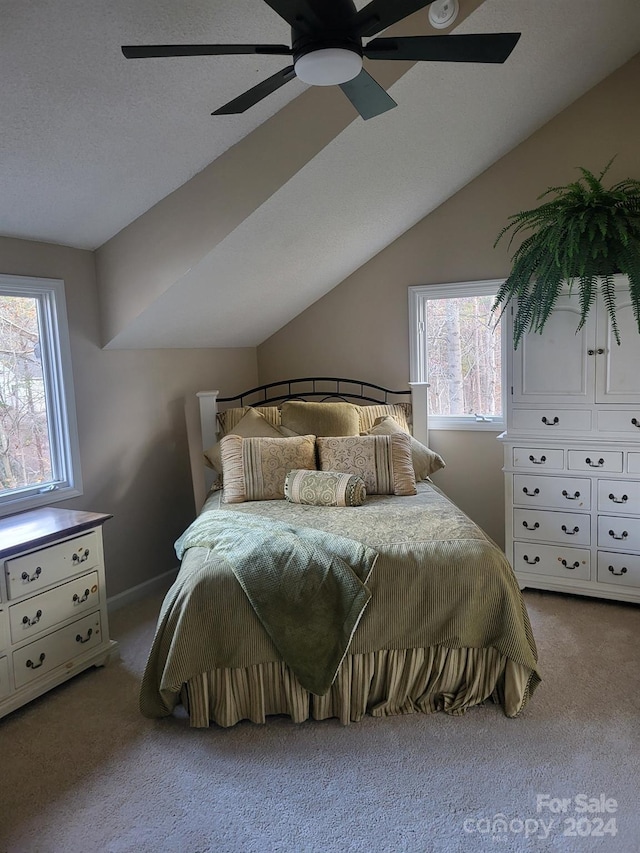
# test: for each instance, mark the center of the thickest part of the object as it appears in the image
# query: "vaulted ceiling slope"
(216, 231)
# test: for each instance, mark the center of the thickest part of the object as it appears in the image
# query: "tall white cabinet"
(572, 453)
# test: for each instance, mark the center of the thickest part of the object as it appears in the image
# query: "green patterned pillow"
(324, 488)
(383, 461)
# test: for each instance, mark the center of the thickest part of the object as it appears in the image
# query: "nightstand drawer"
(622, 569)
(538, 458)
(568, 528)
(553, 420)
(47, 609)
(562, 492)
(618, 532)
(552, 560)
(4, 677)
(595, 460)
(47, 566)
(619, 496)
(61, 647)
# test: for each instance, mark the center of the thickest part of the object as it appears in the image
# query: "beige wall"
(360, 328)
(135, 409)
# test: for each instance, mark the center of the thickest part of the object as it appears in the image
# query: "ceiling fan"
(327, 49)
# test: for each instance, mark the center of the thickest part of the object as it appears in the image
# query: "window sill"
(439, 423)
(16, 505)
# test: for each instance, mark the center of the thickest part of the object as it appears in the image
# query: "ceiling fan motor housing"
(326, 49)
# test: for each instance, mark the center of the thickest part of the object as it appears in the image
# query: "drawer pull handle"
(29, 622)
(567, 566)
(533, 527)
(573, 497)
(531, 562)
(80, 556)
(78, 600)
(34, 577)
(623, 535)
(597, 464)
(531, 494)
(635, 422)
(80, 639)
(540, 461)
(621, 500)
(622, 571)
(554, 422)
(31, 665)
(570, 532)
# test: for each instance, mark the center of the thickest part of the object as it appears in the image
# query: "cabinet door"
(556, 365)
(617, 373)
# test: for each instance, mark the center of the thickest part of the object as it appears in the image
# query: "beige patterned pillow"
(255, 469)
(253, 424)
(383, 461)
(229, 419)
(324, 488)
(400, 412)
(425, 461)
(320, 418)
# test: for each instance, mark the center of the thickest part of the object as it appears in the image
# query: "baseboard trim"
(142, 590)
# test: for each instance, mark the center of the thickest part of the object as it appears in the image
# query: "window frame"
(419, 296)
(58, 380)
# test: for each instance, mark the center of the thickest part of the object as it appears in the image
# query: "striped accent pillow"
(383, 461)
(255, 469)
(324, 488)
(400, 412)
(229, 419)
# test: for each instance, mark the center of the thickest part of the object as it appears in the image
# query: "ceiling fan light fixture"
(328, 66)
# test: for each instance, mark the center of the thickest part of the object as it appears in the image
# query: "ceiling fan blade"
(494, 47)
(380, 14)
(257, 93)
(164, 50)
(367, 95)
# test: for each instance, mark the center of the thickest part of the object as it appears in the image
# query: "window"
(39, 459)
(457, 348)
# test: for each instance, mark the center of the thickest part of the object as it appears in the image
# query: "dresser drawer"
(595, 460)
(4, 677)
(618, 532)
(41, 612)
(568, 528)
(552, 560)
(620, 569)
(538, 458)
(619, 496)
(50, 565)
(622, 422)
(60, 647)
(564, 492)
(633, 463)
(574, 420)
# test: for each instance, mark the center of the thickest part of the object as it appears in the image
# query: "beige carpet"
(82, 772)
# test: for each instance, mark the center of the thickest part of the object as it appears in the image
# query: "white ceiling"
(90, 141)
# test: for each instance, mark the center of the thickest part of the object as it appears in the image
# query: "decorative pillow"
(324, 488)
(229, 419)
(253, 424)
(400, 412)
(425, 461)
(255, 469)
(383, 461)
(320, 418)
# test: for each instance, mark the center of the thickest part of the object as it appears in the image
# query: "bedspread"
(439, 581)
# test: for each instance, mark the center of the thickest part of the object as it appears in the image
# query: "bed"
(398, 605)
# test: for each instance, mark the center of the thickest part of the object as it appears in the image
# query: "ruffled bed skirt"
(382, 683)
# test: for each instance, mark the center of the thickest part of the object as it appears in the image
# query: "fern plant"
(583, 236)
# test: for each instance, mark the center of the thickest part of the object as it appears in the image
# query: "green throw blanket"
(307, 587)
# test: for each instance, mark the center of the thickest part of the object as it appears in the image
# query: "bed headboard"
(318, 388)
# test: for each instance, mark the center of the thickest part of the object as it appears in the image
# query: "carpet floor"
(82, 771)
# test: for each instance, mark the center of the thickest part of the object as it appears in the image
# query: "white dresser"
(572, 454)
(53, 614)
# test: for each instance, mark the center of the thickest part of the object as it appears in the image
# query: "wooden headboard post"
(208, 424)
(419, 411)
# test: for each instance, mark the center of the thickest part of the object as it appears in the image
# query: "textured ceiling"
(90, 141)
